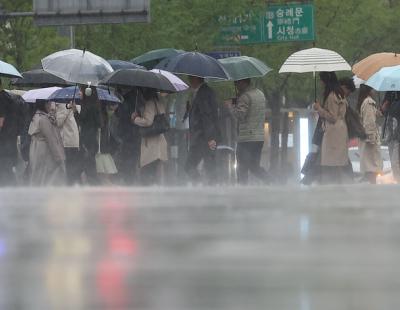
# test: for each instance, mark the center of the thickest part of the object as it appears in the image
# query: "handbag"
(160, 125)
(318, 133)
(354, 127)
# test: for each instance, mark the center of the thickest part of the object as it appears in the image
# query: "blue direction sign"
(224, 54)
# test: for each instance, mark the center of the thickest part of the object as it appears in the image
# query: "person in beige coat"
(334, 148)
(46, 153)
(371, 163)
(153, 152)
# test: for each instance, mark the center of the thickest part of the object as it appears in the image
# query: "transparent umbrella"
(77, 66)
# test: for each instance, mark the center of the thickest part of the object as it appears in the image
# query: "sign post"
(275, 24)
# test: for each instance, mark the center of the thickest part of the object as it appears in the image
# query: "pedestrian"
(334, 151)
(46, 153)
(109, 144)
(11, 124)
(203, 130)
(370, 155)
(66, 122)
(89, 122)
(391, 103)
(128, 159)
(250, 110)
(153, 150)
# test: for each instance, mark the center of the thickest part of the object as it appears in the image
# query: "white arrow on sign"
(270, 25)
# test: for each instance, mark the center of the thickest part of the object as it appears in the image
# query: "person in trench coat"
(154, 150)
(334, 147)
(46, 153)
(371, 163)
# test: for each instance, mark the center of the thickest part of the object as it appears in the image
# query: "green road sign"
(277, 23)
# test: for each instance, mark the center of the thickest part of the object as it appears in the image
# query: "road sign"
(276, 23)
(224, 54)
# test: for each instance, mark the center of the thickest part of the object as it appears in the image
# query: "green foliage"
(353, 28)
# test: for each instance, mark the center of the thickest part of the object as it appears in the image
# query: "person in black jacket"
(90, 122)
(11, 123)
(128, 159)
(203, 129)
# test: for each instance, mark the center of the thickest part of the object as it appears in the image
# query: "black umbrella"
(39, 78)
(138, 78)
(122, 64)
(197, 64)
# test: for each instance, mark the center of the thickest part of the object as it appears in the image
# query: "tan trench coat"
(152, 148)
(46, 153)
(371, 160)
(334, 149)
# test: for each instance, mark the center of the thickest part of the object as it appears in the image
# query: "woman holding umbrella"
(46, 155)
(90, 123)
(371, 160)
(153, 151)
(334, 152)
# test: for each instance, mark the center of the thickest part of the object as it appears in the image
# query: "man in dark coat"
(128, 161)
(10, 126)
(204, 131)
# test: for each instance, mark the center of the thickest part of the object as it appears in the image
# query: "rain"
(253, 164)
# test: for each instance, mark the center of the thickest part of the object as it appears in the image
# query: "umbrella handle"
(315, 87)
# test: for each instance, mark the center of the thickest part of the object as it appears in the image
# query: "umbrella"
(315, 60)
(72, 93)
(77, 66)
(8, 70)
(373, 63)
(176, 81)
(139, 78)
(122, 64)
(39, 78)
(358, 81)
(244, 67)
(42, 93)
(386, 79)
(152, 58)
(197, 64)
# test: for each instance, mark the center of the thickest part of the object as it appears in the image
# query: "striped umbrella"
(315, 60)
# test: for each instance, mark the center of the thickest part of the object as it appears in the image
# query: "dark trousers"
(150, 174)
(73, 165)
(128, 161)
(248, 156)
(196, 154)
(7, 176)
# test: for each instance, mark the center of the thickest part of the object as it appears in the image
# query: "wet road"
(199, 249)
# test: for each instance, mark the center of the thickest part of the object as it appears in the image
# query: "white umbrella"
(358, 81)
(41, 93)
(77, 66)
(314, 60)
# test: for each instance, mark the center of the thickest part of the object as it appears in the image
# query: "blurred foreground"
(190, 249)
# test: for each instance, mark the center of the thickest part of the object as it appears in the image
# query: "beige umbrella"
(373, 63)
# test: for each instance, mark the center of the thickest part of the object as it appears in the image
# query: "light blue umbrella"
(386, 79)
(8, 70)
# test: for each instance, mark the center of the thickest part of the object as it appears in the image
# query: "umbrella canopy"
(77, 66)
(176, 81)
(8, 70)
(139, 78)
(386, 79)
(357, 81)
(152, 58)
(42, 93)
(373, 63)
(39, 78)
(69, 93)
(244, 67)
(197, 64)
(122, 64)
(314, 60)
